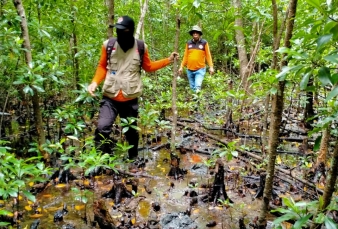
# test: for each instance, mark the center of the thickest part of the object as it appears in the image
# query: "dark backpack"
(140, 47)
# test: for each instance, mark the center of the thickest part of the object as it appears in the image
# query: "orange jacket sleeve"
(208, 55)
(101, 69)
(148, 65)
(185, 57)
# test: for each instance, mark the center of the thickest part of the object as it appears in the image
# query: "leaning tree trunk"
(174, 83)
(35, 98)
(330, 184)
(140, 22)
(276, 118)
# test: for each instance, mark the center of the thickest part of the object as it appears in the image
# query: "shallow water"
(172, 200)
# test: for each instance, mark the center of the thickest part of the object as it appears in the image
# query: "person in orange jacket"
(121, 73)
(196, 53)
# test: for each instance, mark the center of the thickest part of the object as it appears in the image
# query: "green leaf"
(316, 4)
(283, 218)
(305, 81)
(4, 212)
(317, 143)
(73, 137)
(273, 90)
(80, 98)
(323, 40)
(197, 3)
(28, 90)
(330, 224)
(39, 89)
(334, 78)
(281, 210)
(329, 27)
(320, 218)
(299, 223)
(332, 94)
(281, 76)
(324, 76)
(46, 33)
(332, 58)
(125, 129)
(234, 153)
(29, 196)
(18, 82)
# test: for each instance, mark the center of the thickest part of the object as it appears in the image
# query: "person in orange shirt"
(196, 52)
(121, 73)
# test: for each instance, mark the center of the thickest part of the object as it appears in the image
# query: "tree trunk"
(276, 118)
(74, 49)
(35, 98)
(324, 144)
(331, 180)
(110, 4)
(330, 184)
(276, 44)
(140, 22)
(309, 111)
(240, 40)
(174, 83)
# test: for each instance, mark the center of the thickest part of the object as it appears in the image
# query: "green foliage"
(16, 173)
(82, 195)
(121, 148)
(227, 151)
(89, 159)
(301, 212)
(128, 123)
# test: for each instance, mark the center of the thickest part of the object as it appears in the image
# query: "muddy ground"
(163, 201)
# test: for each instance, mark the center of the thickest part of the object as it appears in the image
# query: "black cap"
(125, 22)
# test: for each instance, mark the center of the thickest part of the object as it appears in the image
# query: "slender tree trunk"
(309, 111)
(324, 144)
(332, 178)
(240, 40)
(174, 83)
(75, 51)
(35, 98)
(275, 35)
(330, 185)
(276, 118)
(140, 22)
(276, 43)
(110, 31)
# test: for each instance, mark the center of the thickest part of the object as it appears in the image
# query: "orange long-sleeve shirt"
(148, 65)
(195, 55)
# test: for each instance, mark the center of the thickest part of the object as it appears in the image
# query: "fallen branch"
(288, 172)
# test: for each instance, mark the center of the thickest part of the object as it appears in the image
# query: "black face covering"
(125, 39)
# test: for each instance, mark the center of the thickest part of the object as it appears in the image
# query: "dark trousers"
(109, 110)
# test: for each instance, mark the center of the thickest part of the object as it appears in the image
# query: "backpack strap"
(140, 47)
(110, 46)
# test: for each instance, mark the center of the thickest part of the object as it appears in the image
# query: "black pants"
(109, 109)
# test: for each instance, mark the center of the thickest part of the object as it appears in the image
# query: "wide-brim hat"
(195, 28)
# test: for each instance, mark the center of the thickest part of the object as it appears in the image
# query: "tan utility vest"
(123, 73)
